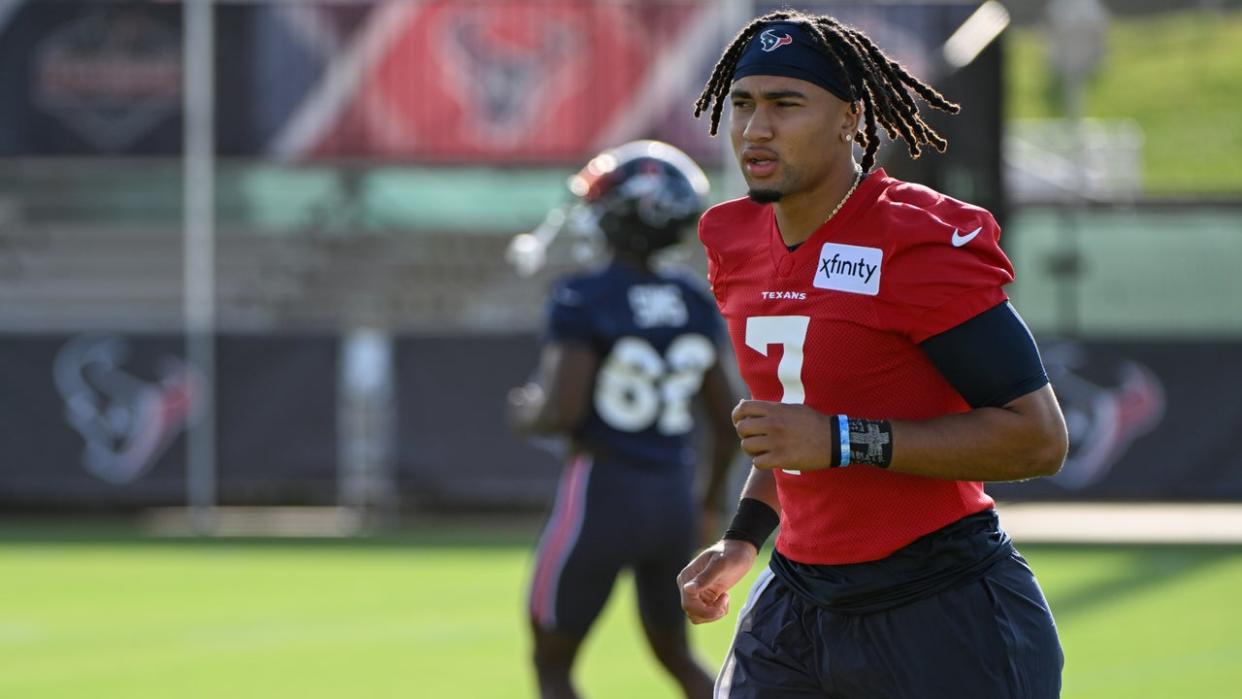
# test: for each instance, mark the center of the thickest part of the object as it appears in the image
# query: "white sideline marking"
(1109, 523)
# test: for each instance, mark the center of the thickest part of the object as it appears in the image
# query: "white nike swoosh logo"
(960, 240)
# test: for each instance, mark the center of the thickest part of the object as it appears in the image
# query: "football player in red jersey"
(889, 377)
(628, 348)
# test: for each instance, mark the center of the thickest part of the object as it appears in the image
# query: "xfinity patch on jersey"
(849, 268)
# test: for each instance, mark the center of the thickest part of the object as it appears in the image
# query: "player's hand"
(705, 583)
(523, 404)
(783, 435)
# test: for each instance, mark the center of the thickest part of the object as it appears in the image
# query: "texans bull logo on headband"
(772, 42)
(801, 59)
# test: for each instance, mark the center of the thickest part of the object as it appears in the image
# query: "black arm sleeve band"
(754, 522)
(990, 359)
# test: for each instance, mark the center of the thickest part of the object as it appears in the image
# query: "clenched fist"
(706, 581)
(784, 435)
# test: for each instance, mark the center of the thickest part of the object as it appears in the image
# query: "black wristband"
(860, 441)
(871, 442)
(754, 522)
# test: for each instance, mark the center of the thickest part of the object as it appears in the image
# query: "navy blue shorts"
(989, 637)
(610, 516)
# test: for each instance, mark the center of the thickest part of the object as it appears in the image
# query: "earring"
(845, 138)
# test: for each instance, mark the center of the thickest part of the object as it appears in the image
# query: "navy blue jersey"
(656, 335)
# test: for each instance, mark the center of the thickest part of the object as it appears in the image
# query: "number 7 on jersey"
(790, 333)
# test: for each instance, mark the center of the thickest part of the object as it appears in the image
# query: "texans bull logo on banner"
(1104, 418)
(522, 81)
(126, 422)
(503, 84)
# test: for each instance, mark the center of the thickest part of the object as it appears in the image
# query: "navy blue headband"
(785, 49)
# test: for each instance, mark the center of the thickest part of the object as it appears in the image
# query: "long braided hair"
(879, 82)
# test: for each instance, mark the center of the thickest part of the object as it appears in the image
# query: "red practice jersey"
(835, 324)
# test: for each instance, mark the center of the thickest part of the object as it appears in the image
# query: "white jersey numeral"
(790, 333)
(637, 388)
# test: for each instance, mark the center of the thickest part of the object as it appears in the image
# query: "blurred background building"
(338, 325)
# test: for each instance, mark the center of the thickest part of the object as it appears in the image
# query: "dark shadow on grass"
(1153, 566)
(440, 532)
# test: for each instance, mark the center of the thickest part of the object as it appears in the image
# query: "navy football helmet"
(641, 196)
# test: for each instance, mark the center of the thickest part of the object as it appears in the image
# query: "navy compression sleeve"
(990, 359)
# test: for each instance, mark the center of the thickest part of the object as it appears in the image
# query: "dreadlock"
(879, 82)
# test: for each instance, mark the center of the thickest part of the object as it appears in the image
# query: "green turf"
(1177, 74)
(432, 616)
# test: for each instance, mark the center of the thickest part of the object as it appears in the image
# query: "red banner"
(523, 81)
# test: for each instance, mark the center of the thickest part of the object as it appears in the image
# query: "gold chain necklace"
(858, 178)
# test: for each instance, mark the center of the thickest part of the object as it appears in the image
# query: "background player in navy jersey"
(890, 379)
(627, 351)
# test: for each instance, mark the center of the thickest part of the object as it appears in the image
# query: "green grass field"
(440, 615)
(1177, 74)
